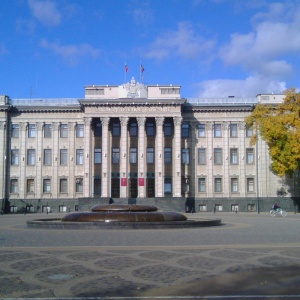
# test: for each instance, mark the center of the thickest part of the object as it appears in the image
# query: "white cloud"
(141, 12)
(248, 87)
(273, 36)
(184, 42)
(45, 11)
(266, 54)
(71, 53)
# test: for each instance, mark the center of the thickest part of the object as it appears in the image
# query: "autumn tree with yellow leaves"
(279, 127)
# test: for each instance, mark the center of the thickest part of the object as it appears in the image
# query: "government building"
(136, 143)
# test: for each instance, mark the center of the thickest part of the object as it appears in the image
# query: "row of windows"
(133, 130)
(217, 130)
(185, 157)
(218, 156)
(63, 130)
(47, 157)
(30, 185)
(218, 185)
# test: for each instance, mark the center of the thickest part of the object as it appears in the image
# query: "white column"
(159, 153)
(124, 157)
(87, 157)
(4, 159)
(226, 164)
(56, 154)
(141, 157)
(72, 159)
(39, 160)
(105, 178)
(23, 155)
(177, 157)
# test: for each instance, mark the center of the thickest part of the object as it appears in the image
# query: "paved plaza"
(251, 256)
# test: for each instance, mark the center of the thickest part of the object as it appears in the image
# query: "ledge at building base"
(58, 224)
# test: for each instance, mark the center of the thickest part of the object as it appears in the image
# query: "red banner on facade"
(141, 181)
(124, 182)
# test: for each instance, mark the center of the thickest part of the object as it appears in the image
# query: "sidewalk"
(236, 259)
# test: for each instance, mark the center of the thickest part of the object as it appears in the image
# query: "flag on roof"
(126, 68)
(142, 68)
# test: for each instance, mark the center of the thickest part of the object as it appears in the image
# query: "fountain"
(123, 216)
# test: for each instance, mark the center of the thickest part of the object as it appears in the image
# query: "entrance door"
(115, 187)
(150, 187)
(133, 188)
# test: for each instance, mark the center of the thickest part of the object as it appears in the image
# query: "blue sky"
(212, 48)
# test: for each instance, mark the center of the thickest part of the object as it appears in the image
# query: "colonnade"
(141, 157)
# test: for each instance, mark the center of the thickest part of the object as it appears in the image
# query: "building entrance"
(133, 188)
(150, 187)
(115, 187)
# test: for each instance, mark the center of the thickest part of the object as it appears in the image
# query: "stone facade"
(138, 144)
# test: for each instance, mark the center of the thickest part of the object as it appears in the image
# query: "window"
(233, 130)
(218, 185)
(115, 155)
(63, 185)
(63, 157)
(14, 130)
(79, 185)
(234, 156)
(98, 155)
(201, 130)
(79, 130)
(150, 155)
(30, 185)
(62, 208)
(116, 130)
(234, 187)
(219, 207)
(14, 188)
(97, 186)
(249, 131)
(251, 207)
(235, 207)
(79, 156)
(150, 129)
(201, 156)
(15, 157)
(63, 130)
(168, 129)
(185, 156)
(168, 155)
(168, 185)
(47, 130)
(30, 157)
(250, 185)
(217, 130)
(133, 155)
(185, 130)
(31, 130)
(47, 157)
(133, 129)
(98, 129)
(218, 156)
(202, 207)
(201, 185)
(165, 91)
(47, 186)
(249, 156)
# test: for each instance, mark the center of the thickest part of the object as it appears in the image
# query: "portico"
(139, 140)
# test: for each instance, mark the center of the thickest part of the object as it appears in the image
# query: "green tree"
(279, 127)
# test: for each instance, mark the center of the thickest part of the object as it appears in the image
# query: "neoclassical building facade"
(136, 143)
